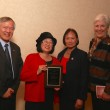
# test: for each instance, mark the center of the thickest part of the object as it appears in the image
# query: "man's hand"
(8, 93)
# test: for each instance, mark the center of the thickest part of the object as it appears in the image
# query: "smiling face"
(71, 40)
(47, 45)
(6, 30)
(100, 29)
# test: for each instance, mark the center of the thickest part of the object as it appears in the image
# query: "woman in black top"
(75, 72)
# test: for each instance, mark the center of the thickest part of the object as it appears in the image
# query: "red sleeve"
(29, 70)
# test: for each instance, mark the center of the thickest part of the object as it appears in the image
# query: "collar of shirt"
(3, 45)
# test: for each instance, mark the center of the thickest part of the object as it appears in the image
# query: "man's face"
(6, 30)
(100, 29)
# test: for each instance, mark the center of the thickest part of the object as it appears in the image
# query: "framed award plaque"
(53, 76)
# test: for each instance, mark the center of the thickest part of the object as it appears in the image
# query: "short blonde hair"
(103, 17)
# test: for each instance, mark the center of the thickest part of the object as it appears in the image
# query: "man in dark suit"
(9, 69)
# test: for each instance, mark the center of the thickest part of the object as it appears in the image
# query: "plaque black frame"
(53, 76)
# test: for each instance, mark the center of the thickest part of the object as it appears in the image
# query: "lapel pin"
(72, 58)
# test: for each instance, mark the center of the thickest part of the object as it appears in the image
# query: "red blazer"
(34, 84)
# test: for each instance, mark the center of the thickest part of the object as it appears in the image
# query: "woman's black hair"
(43, 36)
(70, 30)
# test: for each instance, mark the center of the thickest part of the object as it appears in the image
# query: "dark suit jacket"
(6, 80)
(75, 80)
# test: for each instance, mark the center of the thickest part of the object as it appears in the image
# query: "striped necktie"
(7, 54)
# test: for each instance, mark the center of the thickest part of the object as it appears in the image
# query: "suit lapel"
(2, 53)
(13, 53)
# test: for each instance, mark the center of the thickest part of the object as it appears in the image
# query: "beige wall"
(35, 16)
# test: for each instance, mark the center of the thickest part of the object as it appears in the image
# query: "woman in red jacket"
(38, 97)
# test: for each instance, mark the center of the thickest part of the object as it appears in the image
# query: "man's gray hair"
(5, 19)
